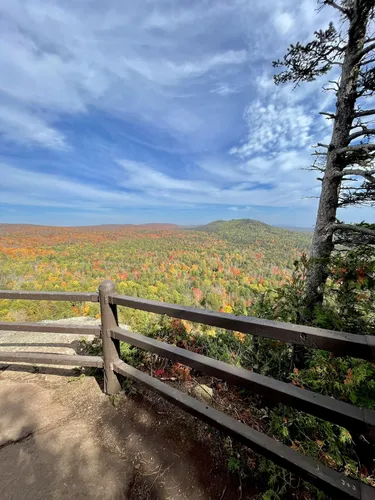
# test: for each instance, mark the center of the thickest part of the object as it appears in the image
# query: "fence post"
(111, 347)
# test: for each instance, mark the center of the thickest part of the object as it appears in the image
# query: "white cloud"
(224, 89)
(69, 59)
(275, 127)
(141, 176)
(20, 186)
(283, 22)
(22, 126)
(149, 188)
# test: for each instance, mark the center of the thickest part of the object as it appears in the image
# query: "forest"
(223, 266)
(241, 267)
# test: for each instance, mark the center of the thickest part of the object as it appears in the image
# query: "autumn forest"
(221, 266)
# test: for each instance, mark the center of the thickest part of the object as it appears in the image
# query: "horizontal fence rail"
(307, 468)
(340, 343)
(50, 328)
(358, 419)
(51, 359)
(61, 296)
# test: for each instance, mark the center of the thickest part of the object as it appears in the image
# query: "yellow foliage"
(188, 326)
(240, 336)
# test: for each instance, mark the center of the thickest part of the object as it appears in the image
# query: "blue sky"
(156, 111)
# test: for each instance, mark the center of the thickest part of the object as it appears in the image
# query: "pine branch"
(352, 227)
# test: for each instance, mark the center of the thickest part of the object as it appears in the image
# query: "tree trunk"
(322, 243)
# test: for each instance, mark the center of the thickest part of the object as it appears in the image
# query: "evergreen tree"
(347, 163)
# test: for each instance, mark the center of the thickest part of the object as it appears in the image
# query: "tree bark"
(322, 243)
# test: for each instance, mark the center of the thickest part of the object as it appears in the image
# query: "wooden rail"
(361, 421)
(353, 418)
(51, 359)
(50, 328)
(340, 343)
(64, 296)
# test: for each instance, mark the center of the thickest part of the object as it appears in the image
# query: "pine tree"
(346, 164)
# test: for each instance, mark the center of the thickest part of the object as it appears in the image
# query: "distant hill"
(249, 231)
(153, 226)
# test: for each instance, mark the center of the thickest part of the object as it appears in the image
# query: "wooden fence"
(357, 420)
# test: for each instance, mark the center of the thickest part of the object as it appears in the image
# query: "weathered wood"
(111, 347)
(340, 343)
(51, 359)
(61, 296)
(349, 416)
(307, 468)
(50, 328)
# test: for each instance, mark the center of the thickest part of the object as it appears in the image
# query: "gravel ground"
(52, 343)
(56, 343)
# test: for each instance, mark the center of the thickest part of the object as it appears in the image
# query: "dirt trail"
(62, 438)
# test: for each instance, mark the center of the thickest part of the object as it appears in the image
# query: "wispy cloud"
(21, 126)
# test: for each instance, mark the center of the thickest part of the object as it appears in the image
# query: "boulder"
(203, 391)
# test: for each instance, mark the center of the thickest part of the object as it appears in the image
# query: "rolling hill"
(244, 232)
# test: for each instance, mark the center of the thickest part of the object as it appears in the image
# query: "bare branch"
(331, 116)
(352, 227)
(358, 123)
(358, 147)
(368, 61)
(327, 89)
(320, 145)
(357, 171)
(366, 112)
(335, 5)
(358, 56)
(365, 131)
(334, 83)
(367, 174)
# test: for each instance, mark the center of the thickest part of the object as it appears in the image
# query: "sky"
(157, 111)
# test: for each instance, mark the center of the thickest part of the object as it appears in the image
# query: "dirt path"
(61, 437)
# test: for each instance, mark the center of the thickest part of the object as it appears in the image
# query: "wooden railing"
(357, 420)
